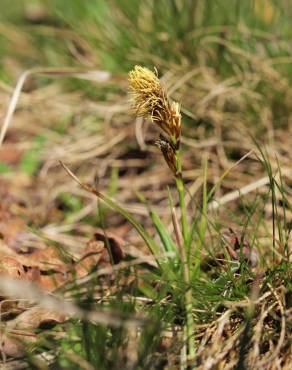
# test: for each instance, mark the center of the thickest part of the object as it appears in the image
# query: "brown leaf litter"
(47, 268)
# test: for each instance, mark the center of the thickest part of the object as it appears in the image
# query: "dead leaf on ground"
(35, 317)
(113, 245)
(11, 346)
(18, 332)
(45, 267)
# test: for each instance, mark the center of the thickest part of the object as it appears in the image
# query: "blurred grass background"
(245, 43)
(118, 34)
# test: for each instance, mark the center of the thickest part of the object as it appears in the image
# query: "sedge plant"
(174, 254)
(150, 100)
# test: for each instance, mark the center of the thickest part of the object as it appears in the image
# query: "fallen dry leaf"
(93, 254)
(16, 333)
(113, 245)
(11, 346)
(48, 258)
(34, 318)
(100, 250)
(45, 267)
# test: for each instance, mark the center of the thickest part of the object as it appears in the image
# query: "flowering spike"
(149, 99)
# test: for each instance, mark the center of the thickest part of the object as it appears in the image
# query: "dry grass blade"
(100, 76)
(233, 195)
(277, 350)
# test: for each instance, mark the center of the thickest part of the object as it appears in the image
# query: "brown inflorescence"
(168, 153)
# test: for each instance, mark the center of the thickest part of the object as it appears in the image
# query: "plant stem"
(181, 193)
(188, 298)
(189, 327)
(189, 314)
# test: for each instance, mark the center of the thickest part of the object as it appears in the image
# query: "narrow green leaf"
(168, 243)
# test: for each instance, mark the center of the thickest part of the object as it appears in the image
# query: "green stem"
(186, 263)
(181, 193)
(189, 314)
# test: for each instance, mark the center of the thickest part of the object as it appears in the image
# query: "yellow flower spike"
(150, 100)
